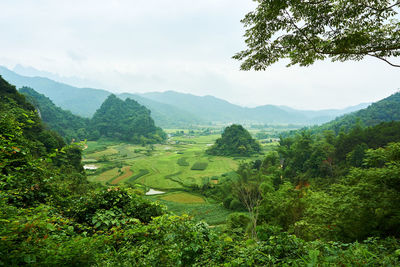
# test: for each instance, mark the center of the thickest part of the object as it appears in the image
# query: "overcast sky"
(181, 45)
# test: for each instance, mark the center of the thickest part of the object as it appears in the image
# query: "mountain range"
(174, 109)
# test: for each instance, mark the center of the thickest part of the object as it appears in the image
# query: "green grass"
(94, 146)
(141, 173)
(106, 176)
(99, 155)
(213, 214)
(183, 197)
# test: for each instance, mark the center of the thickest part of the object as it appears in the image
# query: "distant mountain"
(214, 109)
(172, 109)
(208, 108)
(165, 115)
(385, 110)
(326, 112)
(80, 101)
(65, 123)
(322, 116)
(71, 80)
(85, 101)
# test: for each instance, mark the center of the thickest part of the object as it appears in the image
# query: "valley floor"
(178, 168)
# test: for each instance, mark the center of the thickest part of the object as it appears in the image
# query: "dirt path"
(126, 173)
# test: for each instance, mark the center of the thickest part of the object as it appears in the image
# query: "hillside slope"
(385, 110)
(68, 125)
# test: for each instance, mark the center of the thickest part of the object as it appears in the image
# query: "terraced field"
(160, 165)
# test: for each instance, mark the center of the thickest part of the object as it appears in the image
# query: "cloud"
(76, 56)
(181, 45)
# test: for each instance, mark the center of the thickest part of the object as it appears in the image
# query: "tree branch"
(384, 59)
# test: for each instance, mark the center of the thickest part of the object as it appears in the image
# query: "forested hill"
(68, 125)
(172, 109)
(235, 141)
(125, 120)
(385, 110)
(115, 119)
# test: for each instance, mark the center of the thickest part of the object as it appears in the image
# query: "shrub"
(227, 202)
(199, 166)
(236, 205)
(237, 222)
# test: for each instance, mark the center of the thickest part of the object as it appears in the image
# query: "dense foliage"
(50, 215)
(125, 120)
(63, 122)
(235, 141)
(306, 31)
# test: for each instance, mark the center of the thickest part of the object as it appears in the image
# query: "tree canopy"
(306, 31)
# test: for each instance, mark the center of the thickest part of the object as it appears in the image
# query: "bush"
(236, 205)
(237, 222)
(199, 166)
(227, 202)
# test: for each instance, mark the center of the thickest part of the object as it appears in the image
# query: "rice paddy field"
(174, 168)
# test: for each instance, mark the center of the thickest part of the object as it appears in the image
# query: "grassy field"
(183, 197)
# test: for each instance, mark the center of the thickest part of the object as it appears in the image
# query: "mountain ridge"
(173, 109)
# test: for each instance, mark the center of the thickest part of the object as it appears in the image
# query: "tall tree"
(306, 31)
(248, 190)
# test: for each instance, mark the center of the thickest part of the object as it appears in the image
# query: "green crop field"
(105, 176)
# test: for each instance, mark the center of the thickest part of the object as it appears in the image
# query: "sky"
(182, 45)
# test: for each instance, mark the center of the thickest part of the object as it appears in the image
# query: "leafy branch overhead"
(306, 31)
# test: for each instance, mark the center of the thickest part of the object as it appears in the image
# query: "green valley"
(170, 168)
(186, 161)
